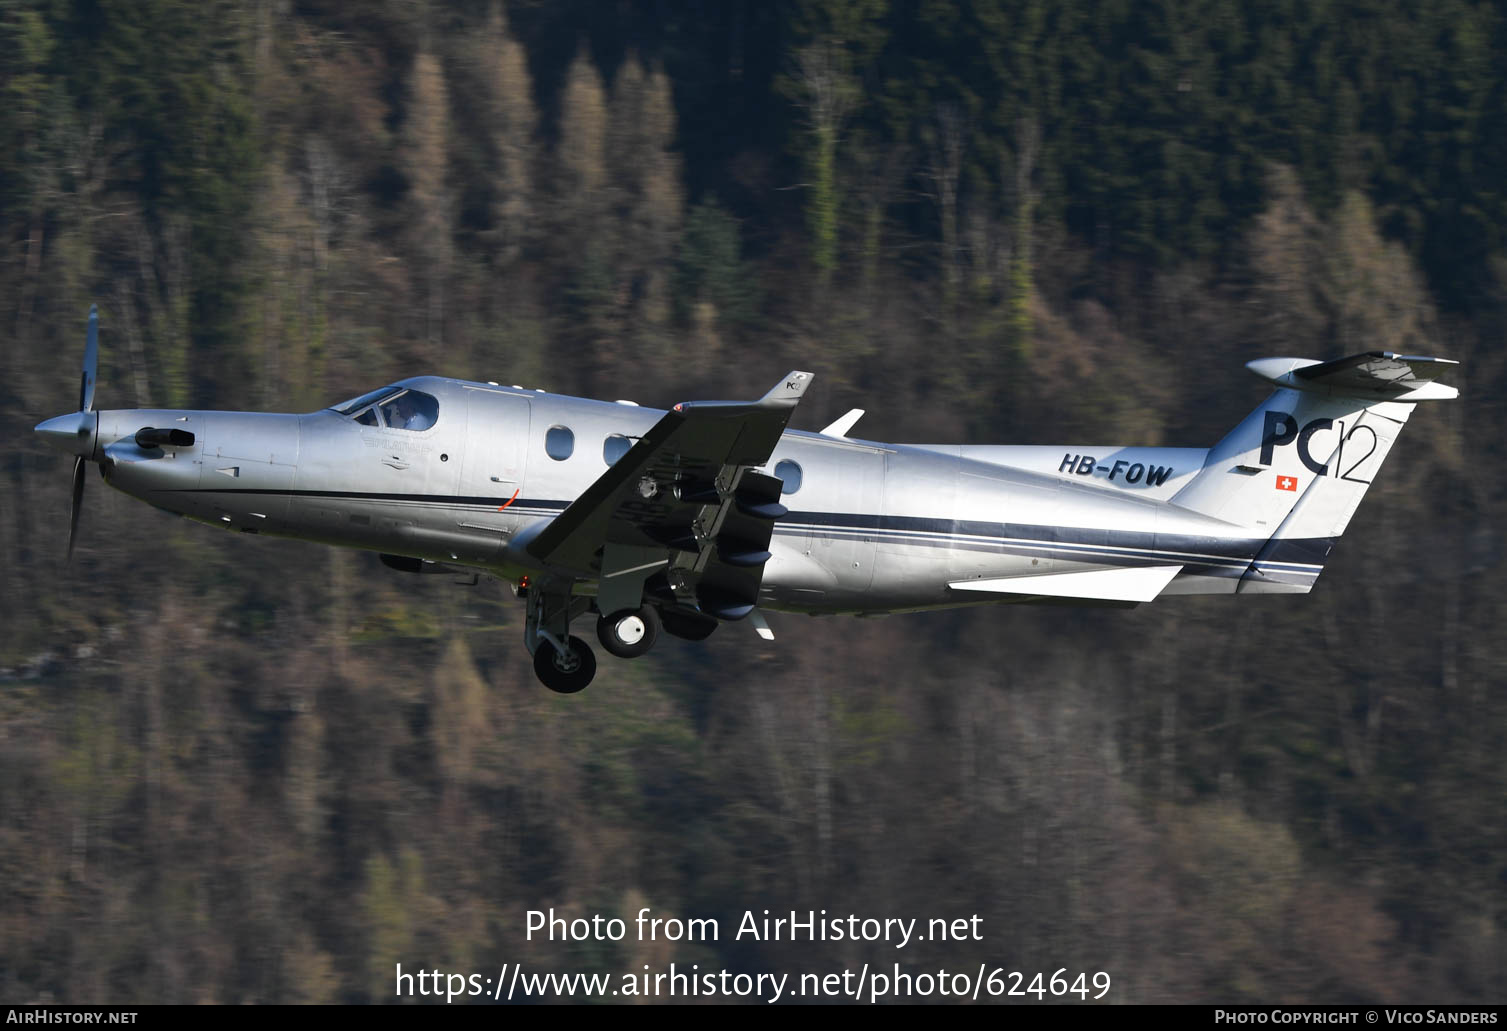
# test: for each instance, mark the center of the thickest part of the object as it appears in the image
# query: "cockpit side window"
(397, 408)
(410, 410)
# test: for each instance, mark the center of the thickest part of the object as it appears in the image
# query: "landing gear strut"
(564, 663)
(561, 662)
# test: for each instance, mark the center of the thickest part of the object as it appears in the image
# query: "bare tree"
(515, 119)
(945, 148)
(583, 138)
(1027, 147)
(646, 182)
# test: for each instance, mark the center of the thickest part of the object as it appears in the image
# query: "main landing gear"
(564, 663)
(630, 632)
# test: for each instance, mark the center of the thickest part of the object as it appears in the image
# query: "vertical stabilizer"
(1296, 468)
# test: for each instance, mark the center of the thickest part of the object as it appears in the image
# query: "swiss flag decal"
(1287, 483)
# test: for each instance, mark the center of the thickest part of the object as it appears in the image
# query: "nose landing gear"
(565, 664)
(565, 672)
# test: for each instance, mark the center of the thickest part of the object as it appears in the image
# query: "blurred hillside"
(241, 770)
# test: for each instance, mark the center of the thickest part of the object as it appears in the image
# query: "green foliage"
(395, 620)
(28, 103)
(837, 44)
(821, 209)
(151, 101)
(709, 267)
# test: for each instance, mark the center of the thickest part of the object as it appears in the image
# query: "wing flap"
(729, 583)
(1135, 583)
(687, 488)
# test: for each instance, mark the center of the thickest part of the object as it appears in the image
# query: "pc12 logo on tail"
(1281, 430)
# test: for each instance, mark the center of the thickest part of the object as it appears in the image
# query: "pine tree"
(426, 159)
(515, 121)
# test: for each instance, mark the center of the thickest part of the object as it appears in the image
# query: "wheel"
(565, 674)
(629, 633)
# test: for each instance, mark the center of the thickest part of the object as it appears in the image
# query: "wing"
(684, 500)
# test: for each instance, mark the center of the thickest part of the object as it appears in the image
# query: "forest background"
(241, 770)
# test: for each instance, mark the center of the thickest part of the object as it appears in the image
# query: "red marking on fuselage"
(511, 499)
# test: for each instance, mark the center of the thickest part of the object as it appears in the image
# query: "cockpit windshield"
(355, 404)
(396, 408)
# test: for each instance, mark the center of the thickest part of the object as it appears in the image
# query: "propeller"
(85, 404)
(75, 433)
(78, 501)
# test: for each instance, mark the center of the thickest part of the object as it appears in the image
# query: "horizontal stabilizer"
(1373, 376)
(1142, 583)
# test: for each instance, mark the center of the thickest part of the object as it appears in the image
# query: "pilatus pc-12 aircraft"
(706, 513)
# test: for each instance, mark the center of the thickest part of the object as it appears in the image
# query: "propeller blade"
(91, 364)
(78, 501)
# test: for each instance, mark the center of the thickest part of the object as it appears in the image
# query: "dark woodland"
(235, 769)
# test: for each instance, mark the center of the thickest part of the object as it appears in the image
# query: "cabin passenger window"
(789, 472)
(559, 443)
(410, 410)
(615, 447)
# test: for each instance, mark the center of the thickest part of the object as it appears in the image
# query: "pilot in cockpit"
(405, 413)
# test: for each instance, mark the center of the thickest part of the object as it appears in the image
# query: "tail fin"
(1296, 468)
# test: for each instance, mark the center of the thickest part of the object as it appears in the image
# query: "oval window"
(615, 447)
(789, 472)
(559, 442)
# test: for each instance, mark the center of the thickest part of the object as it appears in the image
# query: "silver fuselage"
(872, 528)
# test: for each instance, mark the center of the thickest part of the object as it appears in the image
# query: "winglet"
(841, 427)
(787, 392)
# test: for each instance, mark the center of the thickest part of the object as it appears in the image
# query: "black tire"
(570, 675)
(629, 633)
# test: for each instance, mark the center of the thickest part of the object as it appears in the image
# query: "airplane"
(713, 511)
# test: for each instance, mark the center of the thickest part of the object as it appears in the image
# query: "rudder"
(1292, 559)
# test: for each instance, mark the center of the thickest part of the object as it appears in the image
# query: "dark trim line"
(441, 500)
(1214, 555)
